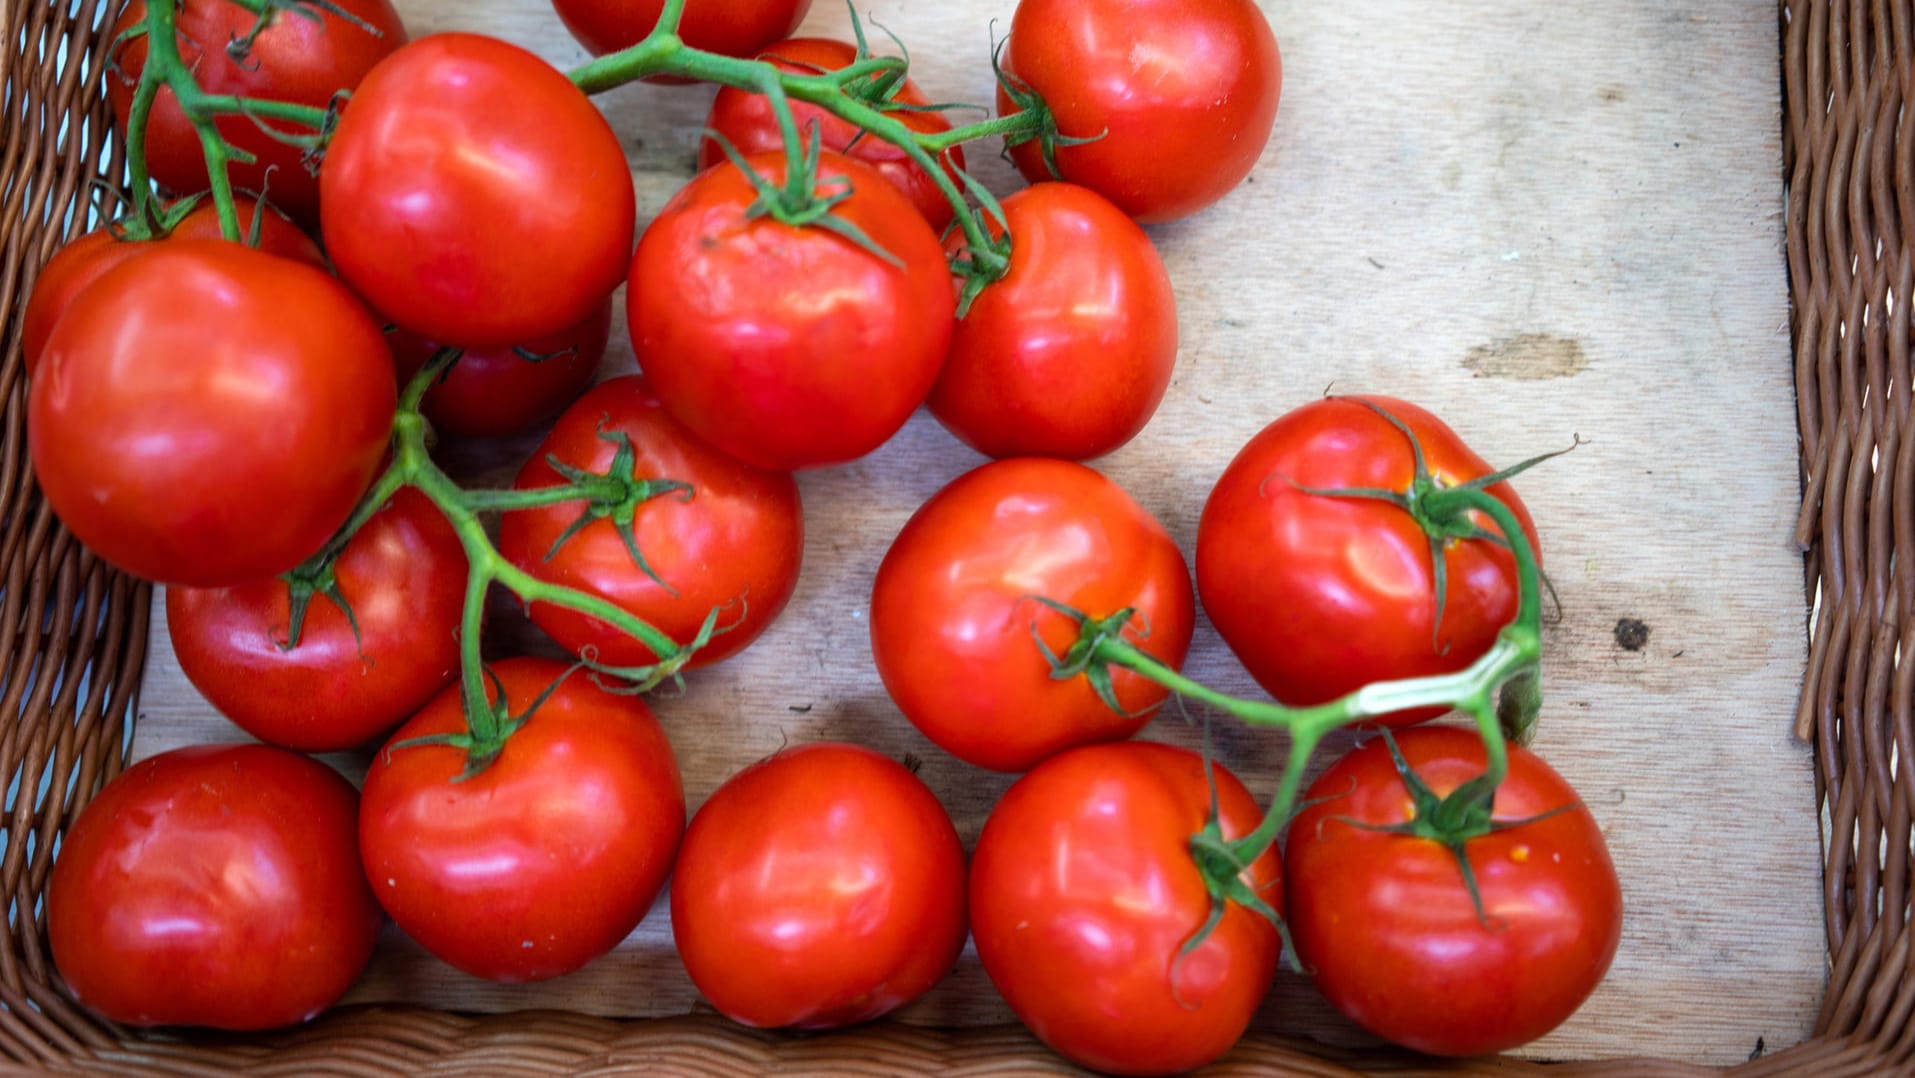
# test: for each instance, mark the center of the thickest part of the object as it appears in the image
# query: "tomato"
(735, 542)
(1319, 595)
(217, 885)
(819, 887)
(1084, 894)
(789, 347)
(346, 682)
(496, 392)
(954, 607)
(730, 27)
(297, 59)
(87, 258)
(746, 121)
(1070, 352)
(1178, 95)
(207, 414)
(473, 194)
(1389, 927)
(545, 859)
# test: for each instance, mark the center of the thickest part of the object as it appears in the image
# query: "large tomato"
(734, 542)
(213, 886)
(547, 857)
(207, 414)
(789, 347)
(473, 194)
(745, 119)
(1070, 352)
(817, 888)
(1084, 895)
(297, 59)
(347, 681)
(955, 606)
(1177, 96)
(730, 27)
(497, 392)
(1387, 923)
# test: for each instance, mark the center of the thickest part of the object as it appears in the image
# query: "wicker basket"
(74, 633)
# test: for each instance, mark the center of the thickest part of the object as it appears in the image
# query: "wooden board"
(1538, 220)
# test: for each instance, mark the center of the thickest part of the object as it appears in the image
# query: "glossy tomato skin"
(1387, 924)
(789, 347)
(189, 456)
(1181, 128)
(496, 392)
(88, 257)
(735, 543)
(1069, 354)
(953, 609)
(1320, 595)
(745, 120)
(474, 195)
(1084, 893)
(404, 575)
(729, 27)
(820, 887)
(548, 857)
(217, 885)
(299, 60)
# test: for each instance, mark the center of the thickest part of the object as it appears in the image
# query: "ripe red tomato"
(819, 887)
(730, 27)
(496, 392)
(1070, 352)
(789, 347)
(300, 60)
(473, 194)
(87, 258)
(1084, 893)
(1389, 928)
(954, 607)
(218, 886)
(745, 120)
(1320, 595)
(1182, 92)
(545, 859)
(403, 574)
(735, 542)
(206, 414)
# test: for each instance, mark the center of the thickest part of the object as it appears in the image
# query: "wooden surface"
(1537, 220)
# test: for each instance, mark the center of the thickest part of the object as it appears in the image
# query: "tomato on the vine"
(728, 27)
(1085, 896)
(1319, 594)
(956, 605)
(1068, 354)
(207, 414)
(734, 542)
(819, 887)
(1387, 923)
(499, 392)
(218, 886)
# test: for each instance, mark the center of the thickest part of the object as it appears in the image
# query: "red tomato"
(300, 60)
(954, 606)
(735, 542)
(1070, 352)
(1084, 893)
(789, 347)
(1320, 595)
(87, 258)
(745, 120)
(545, 859)
(404, 576)
(207, 414)
(1389, 927)
(1179, 96)
(473, 194)
(819, 887)
(218, 886)
(496, 392)
(730, 27)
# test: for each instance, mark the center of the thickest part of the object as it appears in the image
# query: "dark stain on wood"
(1631, 634)
(1528, 357)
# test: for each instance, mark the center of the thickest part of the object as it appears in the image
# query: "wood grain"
(1538, 220)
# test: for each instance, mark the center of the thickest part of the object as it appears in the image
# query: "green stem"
(503, 501)
(1017, 123)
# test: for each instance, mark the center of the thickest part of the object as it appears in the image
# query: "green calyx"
(614, 495)
(314, 578)
(802, 201)
(489, 723)
(1083, 657)
(1040, 122)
